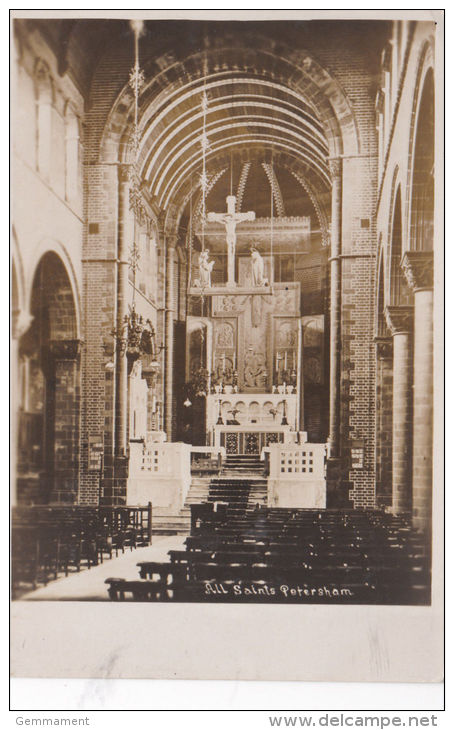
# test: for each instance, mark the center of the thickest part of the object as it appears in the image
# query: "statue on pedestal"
(205, 269)
(258, 268)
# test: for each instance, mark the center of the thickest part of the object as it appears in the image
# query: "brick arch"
(425, 70)
(54, 248)
(50, 410)
(52, 296)
(298, 70)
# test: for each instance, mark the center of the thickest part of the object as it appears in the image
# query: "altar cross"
(230, 221)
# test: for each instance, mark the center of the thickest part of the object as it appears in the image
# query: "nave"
(260, 555)
(222, 292)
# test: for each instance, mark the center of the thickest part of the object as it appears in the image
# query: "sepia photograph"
(223, 244)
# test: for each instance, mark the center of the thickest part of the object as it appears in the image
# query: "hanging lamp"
(136, 336)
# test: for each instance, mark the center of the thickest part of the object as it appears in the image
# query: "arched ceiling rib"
(241, 110)
(255, 100)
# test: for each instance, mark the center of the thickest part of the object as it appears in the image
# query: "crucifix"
(230, 220)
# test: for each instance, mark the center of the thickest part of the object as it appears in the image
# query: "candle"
(277, 362)
(223, 362)
(234, 360)
(293, 359)
(285, 360)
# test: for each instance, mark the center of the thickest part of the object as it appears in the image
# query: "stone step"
(172, 524)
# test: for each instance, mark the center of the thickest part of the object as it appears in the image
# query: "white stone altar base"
(253, 410)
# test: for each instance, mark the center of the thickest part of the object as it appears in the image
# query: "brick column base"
(336, 490)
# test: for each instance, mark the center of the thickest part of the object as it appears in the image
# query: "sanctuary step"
(258, 494)
(244, 464)
(235, 492)
(198, 491)
(179, 524)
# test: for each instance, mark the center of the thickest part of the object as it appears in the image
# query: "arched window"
(43, 90)
(422, 191)
(72, 152)
(399, 291)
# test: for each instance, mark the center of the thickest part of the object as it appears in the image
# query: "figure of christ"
(230, 221)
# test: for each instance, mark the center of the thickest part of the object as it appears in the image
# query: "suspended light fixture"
(136, 336)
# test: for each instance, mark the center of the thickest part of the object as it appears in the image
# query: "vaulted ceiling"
(275, 113)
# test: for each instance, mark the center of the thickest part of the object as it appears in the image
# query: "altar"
(244, 353)
(245, 424)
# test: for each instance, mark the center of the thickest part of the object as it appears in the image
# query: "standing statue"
(205, 268)
(258, 269)
(255, 374)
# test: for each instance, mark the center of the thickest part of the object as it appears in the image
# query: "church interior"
(222, 309)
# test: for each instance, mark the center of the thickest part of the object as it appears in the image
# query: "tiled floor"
(88, 585)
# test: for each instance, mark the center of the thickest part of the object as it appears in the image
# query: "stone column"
(169, 325)
(121, 382)
(418, 270)
(21, 321)
(335, 307)
(399, 319)
(383, 429)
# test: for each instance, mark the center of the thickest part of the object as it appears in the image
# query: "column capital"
(399, 319)
(335, 166)
(21, 321)
(384, 347)
(418, 268)
(65, 349)
(124, 172)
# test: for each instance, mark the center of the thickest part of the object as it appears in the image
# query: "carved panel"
(231, 443)
(313, 331)
(252, 443)
(272, 438)
(312, 370)
(224, 334)
(286, 299)
(286, 335)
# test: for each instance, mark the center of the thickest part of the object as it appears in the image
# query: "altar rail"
(296, 475)
(161, 473)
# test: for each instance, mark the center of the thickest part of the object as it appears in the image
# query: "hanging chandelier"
(136, 335)
(203, 177)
